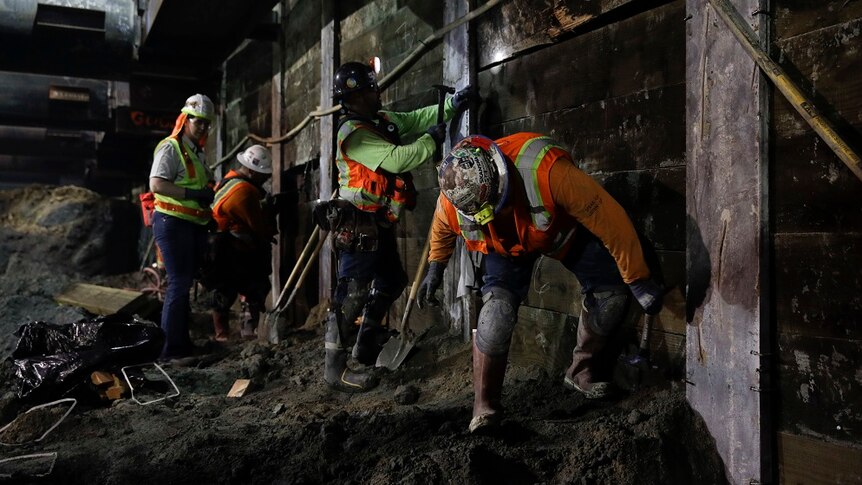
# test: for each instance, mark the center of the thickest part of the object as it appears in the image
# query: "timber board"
(817, 284)
(102, 300)
(820, 387)
(543, 338)
(643, 131)
(637, 55)
(798, 17)
(807, 461)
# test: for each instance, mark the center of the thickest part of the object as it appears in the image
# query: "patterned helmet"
(474, 178)
(257, 158)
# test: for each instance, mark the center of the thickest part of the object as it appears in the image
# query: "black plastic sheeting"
(51, 359)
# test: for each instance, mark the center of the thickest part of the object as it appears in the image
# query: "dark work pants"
(182, 244)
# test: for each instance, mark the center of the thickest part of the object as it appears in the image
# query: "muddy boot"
(581, 375)
(335, 372)
(488, 374)
(368, 341)
(221, 325)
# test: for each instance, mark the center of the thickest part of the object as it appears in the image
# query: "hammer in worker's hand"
(442, 90)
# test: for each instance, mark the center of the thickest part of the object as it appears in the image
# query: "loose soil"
(291, 428)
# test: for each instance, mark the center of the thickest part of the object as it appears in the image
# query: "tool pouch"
(352, 229)
(148, 207)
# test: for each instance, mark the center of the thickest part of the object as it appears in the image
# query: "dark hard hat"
(353, 76)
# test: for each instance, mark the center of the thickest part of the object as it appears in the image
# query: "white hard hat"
(256, 158)
(201, 106)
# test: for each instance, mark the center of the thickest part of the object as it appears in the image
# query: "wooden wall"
(818, 247)
(606, 79)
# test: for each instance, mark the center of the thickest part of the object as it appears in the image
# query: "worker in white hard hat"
(182, 184)
(239, 261)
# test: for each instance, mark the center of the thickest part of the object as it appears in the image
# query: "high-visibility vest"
(539, 227)
(228, 185)
(372, 190)
(195, 178)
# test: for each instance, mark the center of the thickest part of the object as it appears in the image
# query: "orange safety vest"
(539, 227)
(230, 184)
(373, 190)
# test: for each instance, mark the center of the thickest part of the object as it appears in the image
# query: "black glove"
(465, 96)
(205, 195)
(438, 133)
(649, 294)
(430, 284)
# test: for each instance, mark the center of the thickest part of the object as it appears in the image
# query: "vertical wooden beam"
(278, 168)
(329, 59)
(726, 174)
(459, 71)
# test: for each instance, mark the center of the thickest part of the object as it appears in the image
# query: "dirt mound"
(50, 237)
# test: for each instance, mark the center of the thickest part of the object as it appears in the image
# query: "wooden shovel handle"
(420, 271)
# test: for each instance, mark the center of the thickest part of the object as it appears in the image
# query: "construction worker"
(515, 199)
(182, 184)
(375, 187)
(240, 249)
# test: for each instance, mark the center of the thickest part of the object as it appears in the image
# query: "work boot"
(488, 374)
(368, 341)
(584, 375)
(221, 325)
(335, 371)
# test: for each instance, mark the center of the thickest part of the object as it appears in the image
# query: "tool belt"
(352, 230)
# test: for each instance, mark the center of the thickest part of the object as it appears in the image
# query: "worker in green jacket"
(374, 188)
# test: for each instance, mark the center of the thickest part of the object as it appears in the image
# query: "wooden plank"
(817, 284)
(642, 131)
(821, 374)
(639, 54)
(277, 176)
(102, 300)
(329, 54)
(807, 461)
(725, 107)
(811, 183)
(802, 16)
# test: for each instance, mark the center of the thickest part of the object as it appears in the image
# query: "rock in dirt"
(406, 394)
(635, 417)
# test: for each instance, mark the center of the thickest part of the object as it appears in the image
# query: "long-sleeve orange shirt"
(240, 212)
(578, 195)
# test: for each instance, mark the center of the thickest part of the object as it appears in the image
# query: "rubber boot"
(221, 325)
(584, 375)
(335, 372)
(488, 374)
(368, 341)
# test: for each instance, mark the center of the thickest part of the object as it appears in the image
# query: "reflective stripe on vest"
(528, 160)
(194, 178)
(358, 184)
(220, 196)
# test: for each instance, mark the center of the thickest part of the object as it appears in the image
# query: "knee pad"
(378, 304)
(497, 321)
(606, 310)
(351, 295)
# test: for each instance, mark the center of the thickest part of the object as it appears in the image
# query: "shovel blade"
(394, 352)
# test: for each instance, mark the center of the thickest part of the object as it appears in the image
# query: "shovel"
(639, 364)
(396, 349)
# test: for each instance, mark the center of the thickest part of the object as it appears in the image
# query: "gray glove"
(429, 285)
(649, 294)
(465, 96)
(438, 133)
(205, 195)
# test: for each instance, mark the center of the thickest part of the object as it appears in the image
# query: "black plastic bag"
(50, 359)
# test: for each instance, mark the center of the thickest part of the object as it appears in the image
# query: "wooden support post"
(459, 71)
(278, 167)
(727, 338)
(329, 59)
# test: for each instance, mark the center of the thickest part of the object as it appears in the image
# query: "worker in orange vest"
(515, 199)
(182, 184)
(240, 251)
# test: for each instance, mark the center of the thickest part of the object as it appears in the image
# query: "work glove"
(649, 294)
(429, 285)
(438, 133)
(464, 97)
(205, 195)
